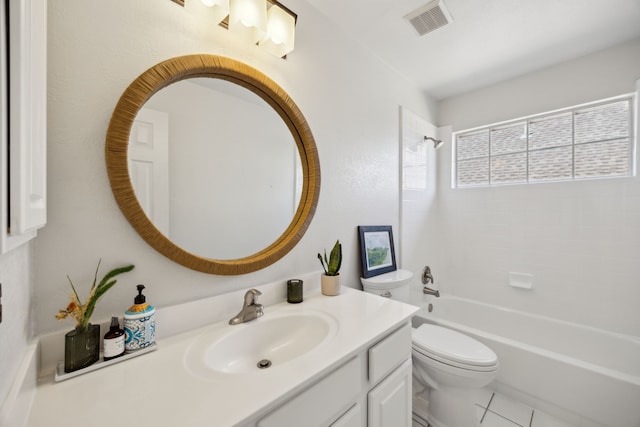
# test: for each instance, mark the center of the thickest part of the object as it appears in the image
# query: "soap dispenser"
(139, 324)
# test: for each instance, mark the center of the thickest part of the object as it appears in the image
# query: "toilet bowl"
(448, 366)
(451, 366)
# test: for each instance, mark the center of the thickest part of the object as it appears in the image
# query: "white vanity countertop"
(157, 389)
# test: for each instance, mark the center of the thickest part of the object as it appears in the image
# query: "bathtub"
(586, 376)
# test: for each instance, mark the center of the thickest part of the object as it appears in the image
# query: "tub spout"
(429, 291)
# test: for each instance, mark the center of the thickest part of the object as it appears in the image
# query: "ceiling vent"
(429, 17)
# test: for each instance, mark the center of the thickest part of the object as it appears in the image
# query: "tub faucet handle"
(427, 277)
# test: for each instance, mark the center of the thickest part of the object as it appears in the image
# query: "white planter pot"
(330, 285)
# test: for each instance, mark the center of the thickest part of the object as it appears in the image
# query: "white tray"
(61, 375)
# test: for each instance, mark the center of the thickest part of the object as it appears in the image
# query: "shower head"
(437, 143)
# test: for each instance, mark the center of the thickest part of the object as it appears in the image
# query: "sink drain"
(264, 364)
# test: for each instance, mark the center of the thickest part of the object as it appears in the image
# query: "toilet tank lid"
(391, 279)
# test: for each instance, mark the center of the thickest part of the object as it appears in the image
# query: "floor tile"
(482, 397)
(479, 412)
(495, 420)
(511, 410)
(540, 419)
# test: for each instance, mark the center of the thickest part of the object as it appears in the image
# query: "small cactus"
(332, 265)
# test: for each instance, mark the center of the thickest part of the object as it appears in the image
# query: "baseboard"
(22, 392)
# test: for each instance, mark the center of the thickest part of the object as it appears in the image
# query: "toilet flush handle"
(386, 294)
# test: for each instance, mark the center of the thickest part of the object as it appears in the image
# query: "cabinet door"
(352, 418)
(389, 403)
(23, 176)
(321, 403)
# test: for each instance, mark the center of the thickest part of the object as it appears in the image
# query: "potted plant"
(330, 280)
(82, 345)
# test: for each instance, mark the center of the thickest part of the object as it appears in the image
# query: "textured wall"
(16, 278)
(97, 48)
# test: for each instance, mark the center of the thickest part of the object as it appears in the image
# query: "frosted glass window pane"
(609, 121)
(551, 132)
(609, 158)
(472, 146)
(509, 168)
(582, 142)
(511, 139)
(473, 172)
(550, 164)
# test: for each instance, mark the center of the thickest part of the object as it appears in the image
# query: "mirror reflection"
(214, 168)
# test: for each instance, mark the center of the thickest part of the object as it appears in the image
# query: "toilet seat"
(453, 348)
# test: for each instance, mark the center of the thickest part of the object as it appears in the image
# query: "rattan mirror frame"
(213, 66)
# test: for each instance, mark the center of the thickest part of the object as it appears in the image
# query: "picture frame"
(377, 251)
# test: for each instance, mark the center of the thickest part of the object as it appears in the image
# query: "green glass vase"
(81, 347)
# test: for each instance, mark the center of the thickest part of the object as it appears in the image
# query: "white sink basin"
(277, 337)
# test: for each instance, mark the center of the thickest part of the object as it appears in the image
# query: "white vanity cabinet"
(372, 389)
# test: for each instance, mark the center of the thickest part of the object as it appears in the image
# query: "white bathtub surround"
(581, 375)
(224, 400)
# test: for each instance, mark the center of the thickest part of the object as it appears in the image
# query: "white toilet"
(447, 363)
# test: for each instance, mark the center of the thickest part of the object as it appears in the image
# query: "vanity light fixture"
(248, 19)
(267, 23)
(220, 9)
(281, 31)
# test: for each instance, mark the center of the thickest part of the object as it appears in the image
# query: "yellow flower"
(82, 312)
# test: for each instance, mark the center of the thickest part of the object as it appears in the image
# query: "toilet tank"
(394, 285)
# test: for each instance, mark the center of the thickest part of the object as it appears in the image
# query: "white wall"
(16, 278)
(580, 240)
(97, 48)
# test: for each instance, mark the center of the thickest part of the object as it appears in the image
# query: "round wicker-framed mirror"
(117, 143)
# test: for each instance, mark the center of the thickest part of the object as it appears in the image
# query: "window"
(589, 141)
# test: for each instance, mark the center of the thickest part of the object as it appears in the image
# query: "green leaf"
(91, 304)
(95, 276)
(335, 259)
(113, 273)
(322, 262)
(74, 290)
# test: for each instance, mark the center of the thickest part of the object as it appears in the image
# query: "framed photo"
(376, 250)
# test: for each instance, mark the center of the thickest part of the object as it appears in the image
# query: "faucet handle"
(251, 296)
(427, 277)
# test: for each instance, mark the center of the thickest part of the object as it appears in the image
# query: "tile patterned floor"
(496, 410)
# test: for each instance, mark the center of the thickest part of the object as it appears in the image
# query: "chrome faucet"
(250, 309)
(427, 278)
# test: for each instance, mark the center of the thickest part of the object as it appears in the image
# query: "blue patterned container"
(139, 324)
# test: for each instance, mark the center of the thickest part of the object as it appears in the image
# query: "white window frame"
(633, 132)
